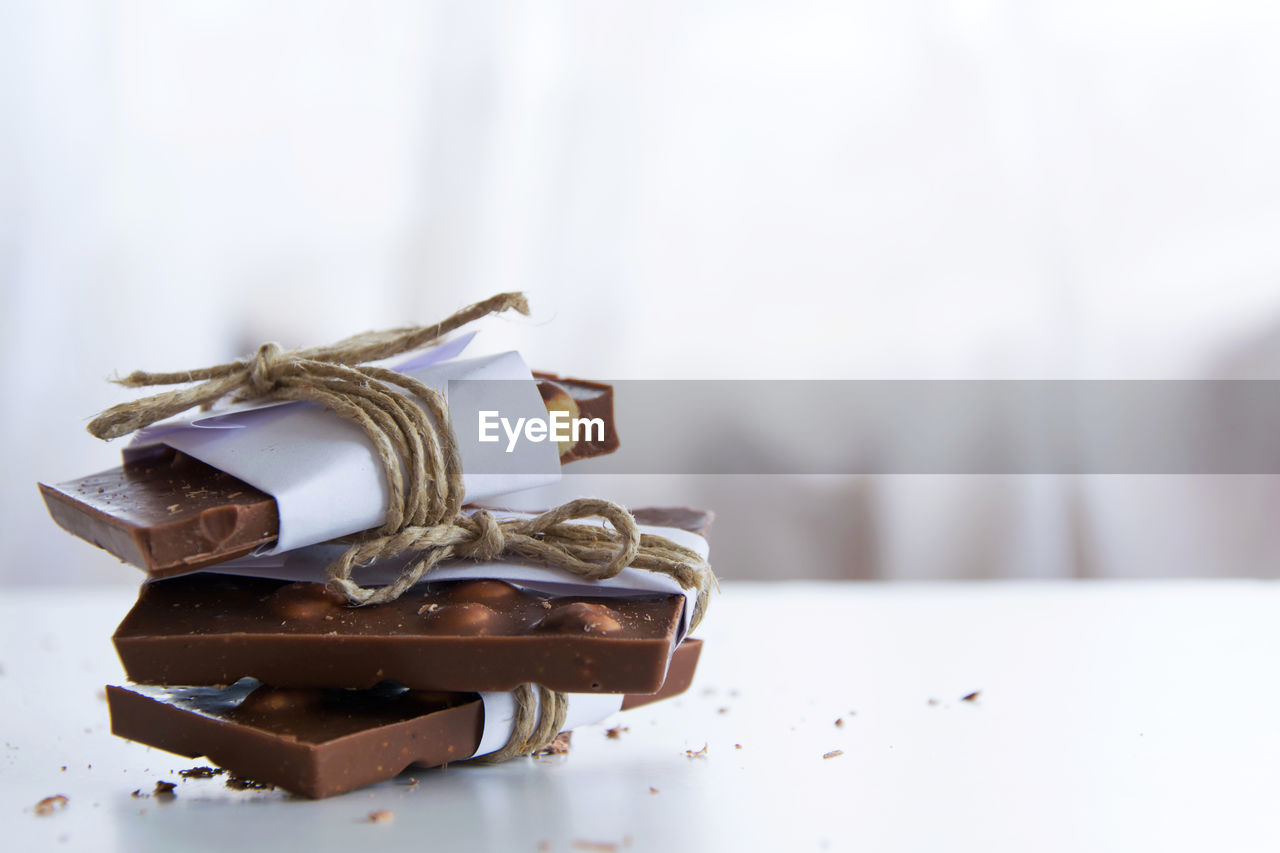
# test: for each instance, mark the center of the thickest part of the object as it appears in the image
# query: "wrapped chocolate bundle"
(323, 611)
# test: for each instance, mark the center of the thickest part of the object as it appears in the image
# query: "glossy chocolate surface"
(209, 628)
(466, 635)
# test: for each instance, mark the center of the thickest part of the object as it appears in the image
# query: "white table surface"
(1111, 717)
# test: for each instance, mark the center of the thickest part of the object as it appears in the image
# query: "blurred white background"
(1017, 189)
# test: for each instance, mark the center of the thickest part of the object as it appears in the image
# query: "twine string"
(408, 424)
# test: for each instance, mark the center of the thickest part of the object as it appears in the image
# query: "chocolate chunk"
(167, 512)
(171, 514)
(326, 741)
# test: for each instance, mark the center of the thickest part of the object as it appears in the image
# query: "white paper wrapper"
(324, 472)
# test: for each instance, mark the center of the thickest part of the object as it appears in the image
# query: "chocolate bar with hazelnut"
(480, 635)
(319, 742)
(170, 514)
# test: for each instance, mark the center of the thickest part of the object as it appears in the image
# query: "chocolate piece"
(681, 517)
(464, 635)
(210, 628)
(321, 742)
(166, 512)
(581, 399)
(171, 514)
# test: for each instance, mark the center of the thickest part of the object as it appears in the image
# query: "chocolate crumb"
(382, 816)
(722, 710)
(737, 746)
(972, 697)
(49, 805)
(559, 746)
(544, 845)
(240, 783)
(932, 702)
(835, 753)
(164, 790)
(138, 795)
(652, 790)
(701, 753)
(64, 768)
(203, 772)
(616, 732)
(839, 722)
(605, 846)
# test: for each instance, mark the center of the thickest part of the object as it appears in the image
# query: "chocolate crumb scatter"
(382, 816)
(972, 697)
(616, 732)
(204, 772)
(700, 753)
(49, 805)
(835, 753)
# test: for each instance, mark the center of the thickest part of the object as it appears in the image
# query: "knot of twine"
(408, 423)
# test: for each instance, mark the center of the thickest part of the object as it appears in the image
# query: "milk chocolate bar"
(476, 635)
(321, 742)
(170, 514)
(466, 635)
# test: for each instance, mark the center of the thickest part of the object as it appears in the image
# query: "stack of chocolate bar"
(240, 653)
